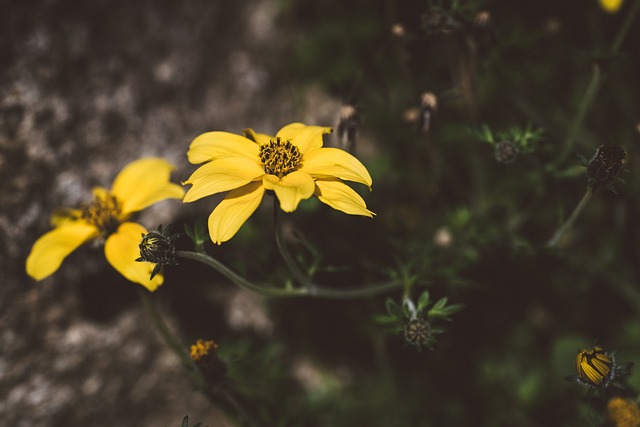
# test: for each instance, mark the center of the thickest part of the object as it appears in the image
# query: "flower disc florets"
(103, 212)
(280, 157)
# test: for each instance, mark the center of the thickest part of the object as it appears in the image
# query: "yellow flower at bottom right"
(610, 6)
(623, 412)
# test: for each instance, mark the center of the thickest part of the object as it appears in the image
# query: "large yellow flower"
(138, 186)
(293, 164)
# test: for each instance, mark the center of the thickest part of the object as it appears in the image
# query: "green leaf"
(385, 319)
(393, 309)
(409, 309)
(423, 301)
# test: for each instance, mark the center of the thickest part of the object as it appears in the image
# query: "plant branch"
(569, 222)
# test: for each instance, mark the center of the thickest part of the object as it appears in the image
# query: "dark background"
(86, 87)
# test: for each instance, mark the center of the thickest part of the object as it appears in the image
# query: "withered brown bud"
(347, 127)
(604, 166)
(428, 106)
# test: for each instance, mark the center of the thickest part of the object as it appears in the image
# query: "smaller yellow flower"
(623, 412)
(594, 367)
(293, 164)
(610, 6)
(139, 185)
(202, 349)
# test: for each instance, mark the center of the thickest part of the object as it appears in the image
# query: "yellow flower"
(202, 348)
(293, 164)
(623, 412)
(138, 186)
(610, 6)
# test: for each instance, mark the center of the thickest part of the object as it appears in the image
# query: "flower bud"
(594, 367)
(418, 332)
(505, 152)
(604, 166)
(204, 355)
(347, 128)
(158, 247)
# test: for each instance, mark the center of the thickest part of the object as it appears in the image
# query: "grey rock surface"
(85, 88)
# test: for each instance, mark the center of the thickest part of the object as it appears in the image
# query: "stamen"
(103, 212)
(280, 157)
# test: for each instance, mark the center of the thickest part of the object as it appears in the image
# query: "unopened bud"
(505, 152)
(604, 166)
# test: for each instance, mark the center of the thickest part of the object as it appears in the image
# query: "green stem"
(237, 279)
(169, 339)
(594, 83)
(311, 288)
(631, 16)
(569, 222)
(585, 106)
(293, 267)
(350, 293)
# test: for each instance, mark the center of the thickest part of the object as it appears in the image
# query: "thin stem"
(293, 267)
(569, 222)
(311, 288)
(585, 106)
(237, 279)
(631, 16)
(169, 339)
(596, 76)
(350, 293)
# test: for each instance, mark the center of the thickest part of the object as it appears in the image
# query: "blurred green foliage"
(548, 76)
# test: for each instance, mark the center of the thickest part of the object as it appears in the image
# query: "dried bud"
(443, 237)
(505, 152)
(347, 128)
(398, 30)
(482, 19)
(429, 100)
(428, 106)
(604, 166)
(418, 332)
(158, 247)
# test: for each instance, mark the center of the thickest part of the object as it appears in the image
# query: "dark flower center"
(280, 157)
(103, 212)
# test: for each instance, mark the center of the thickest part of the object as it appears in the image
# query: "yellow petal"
(291, 130)
(610, 6)
(306, 138)
(122, 250)
(291, 189)
(341, 197)
(222, 175)
(333, 162)
(260, 138)
(215, 145)
(145, 182)
(52, 248)
(227, 218)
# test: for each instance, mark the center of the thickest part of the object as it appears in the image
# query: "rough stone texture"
(86, 87)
